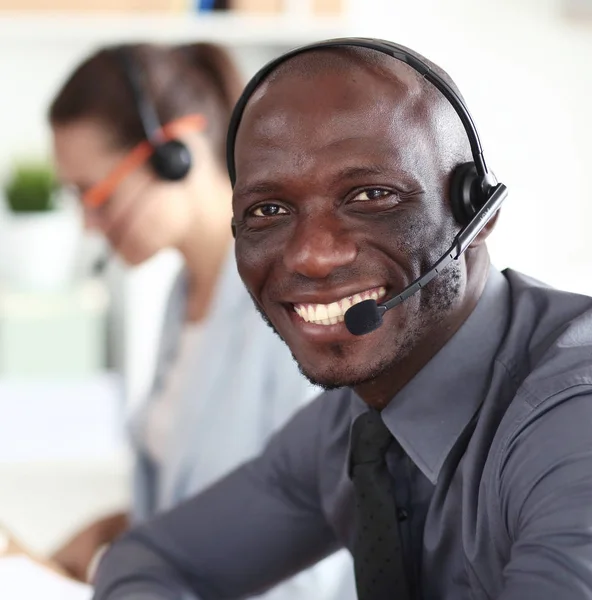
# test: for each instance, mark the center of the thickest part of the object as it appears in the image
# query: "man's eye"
(268, 210)
(371, 194)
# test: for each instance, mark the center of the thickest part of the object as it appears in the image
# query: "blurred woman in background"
(139, 131)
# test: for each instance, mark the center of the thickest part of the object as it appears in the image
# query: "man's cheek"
(250, 268)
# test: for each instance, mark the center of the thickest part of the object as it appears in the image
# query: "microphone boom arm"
(461, 242)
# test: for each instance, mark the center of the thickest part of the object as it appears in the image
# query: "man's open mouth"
(330, 314)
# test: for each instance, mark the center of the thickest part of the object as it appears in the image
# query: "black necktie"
(378, 559)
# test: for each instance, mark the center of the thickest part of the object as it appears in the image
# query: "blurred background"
(77, 351)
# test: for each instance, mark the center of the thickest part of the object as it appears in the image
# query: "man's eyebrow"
(357, 171)
(257, 188)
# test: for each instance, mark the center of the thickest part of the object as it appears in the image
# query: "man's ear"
(484, 233)
(233, 228)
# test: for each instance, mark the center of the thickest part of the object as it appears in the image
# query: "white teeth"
(321, 313)
(345, 304)
(330, 314)
(333, 310)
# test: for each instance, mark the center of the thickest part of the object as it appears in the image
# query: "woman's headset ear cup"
(171, 160)
(465, 192)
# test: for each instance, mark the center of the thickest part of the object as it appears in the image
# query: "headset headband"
(146, 110)
(385, 47)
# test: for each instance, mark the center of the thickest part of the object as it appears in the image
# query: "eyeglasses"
(96, 196)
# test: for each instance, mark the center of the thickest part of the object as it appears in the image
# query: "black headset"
(471, 182)
(171, 159)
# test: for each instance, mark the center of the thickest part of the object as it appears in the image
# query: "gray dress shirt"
(493, 473)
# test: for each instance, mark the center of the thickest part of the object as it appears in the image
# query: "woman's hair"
(180, 80)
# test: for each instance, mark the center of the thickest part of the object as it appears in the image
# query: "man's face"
(341, 196)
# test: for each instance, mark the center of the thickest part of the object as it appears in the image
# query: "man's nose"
(318, 246)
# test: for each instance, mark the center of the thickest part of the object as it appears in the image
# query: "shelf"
(232, 29)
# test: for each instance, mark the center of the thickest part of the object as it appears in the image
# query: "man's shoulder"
(547, 354)
(544, 300)
(548, 348)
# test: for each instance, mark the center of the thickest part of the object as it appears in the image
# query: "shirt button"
(402, 514)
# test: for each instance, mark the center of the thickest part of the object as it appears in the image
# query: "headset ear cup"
(465, 192)
(171, 161)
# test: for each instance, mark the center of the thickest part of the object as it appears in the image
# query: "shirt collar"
(430, 413)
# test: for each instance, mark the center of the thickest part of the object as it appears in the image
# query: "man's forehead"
(324, 133)
(347, 62)
(313, 92)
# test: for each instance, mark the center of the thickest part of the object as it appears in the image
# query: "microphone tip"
(363, 318)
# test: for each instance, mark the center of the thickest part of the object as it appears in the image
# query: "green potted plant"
(38, 233)
(30, 188)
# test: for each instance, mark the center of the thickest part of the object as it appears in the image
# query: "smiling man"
(452, 451)
(339, 198)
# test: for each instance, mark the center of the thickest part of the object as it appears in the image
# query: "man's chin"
(324, 383)
(341, 375)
